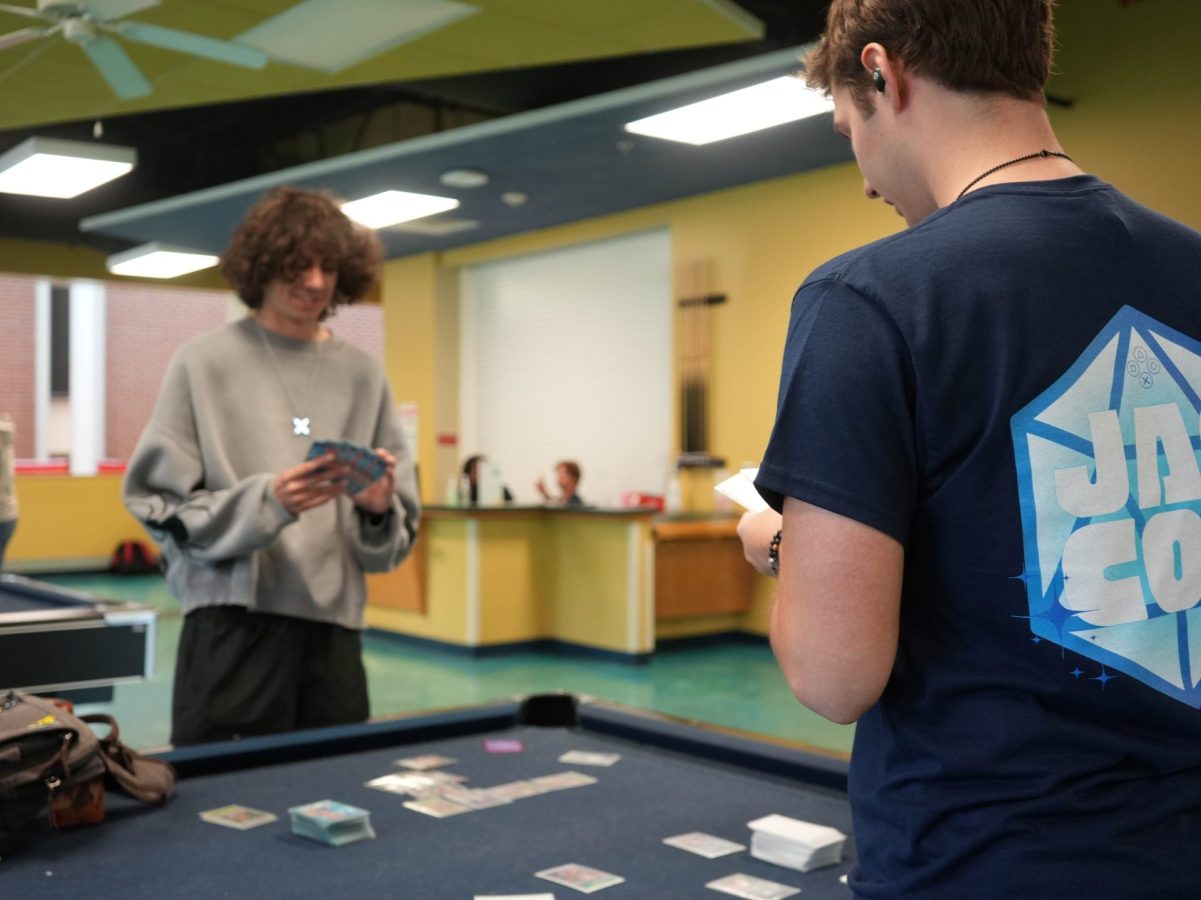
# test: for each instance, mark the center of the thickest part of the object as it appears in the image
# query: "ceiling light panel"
(764, 105)
(158, 261)
(392, 207)
(48, 167)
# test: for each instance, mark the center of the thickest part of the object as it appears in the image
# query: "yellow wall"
(69, 522)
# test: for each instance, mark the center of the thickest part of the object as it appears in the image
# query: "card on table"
(562, 780)
(438, 807)
(503, 745)
(514, 897)
(413, 782)
(582, 878)
(751, 888)
(516, 790)
(585, 758)
(237, 816)
(427, 761)
(706, 845)
(472, 798)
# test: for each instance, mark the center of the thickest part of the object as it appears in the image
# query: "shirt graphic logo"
(1110, 489)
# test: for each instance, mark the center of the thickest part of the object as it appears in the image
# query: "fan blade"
(14, 38)
(192, 44)
(106, 10)
(125, 78)
(25, 11)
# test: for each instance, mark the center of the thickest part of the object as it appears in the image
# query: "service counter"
(609, 580)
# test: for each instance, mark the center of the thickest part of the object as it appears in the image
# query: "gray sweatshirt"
(200, 478)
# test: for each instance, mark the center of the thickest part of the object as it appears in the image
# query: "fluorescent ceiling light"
(754, 108)
(157, 260)
(327, 35)
(391, 207)
(48, 167)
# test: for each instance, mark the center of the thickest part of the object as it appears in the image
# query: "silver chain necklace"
(301, 425)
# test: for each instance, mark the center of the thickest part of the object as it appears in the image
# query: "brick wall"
(146, 324)
(17, 314)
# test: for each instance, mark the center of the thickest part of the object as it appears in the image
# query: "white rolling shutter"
(567, 355)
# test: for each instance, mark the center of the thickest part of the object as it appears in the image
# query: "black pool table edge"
(716, 744)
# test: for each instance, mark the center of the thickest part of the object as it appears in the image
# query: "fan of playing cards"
(366, 466)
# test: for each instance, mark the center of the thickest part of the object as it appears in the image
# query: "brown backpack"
(51, 759)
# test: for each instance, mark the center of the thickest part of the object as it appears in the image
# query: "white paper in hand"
(741, 489)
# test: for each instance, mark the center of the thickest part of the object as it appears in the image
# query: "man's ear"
(886, 73)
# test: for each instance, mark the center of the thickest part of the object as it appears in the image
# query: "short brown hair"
(989, 46)
(572, 468)
(285, 231)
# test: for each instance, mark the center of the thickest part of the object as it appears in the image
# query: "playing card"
(702, 844)
(515, 790)
(503, 745)
(584, 758)
(581, 878)
(438, 807)
(412, 782)
(428, 761)
(751, 888)
(514, 897)
(472, 798)
(562, 780)
(238, 816)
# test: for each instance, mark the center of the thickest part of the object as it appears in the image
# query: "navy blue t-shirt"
(1011, 388)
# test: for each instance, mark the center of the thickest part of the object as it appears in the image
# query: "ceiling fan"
(88, 25)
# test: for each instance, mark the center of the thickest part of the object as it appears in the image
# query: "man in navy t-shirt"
(985, 477)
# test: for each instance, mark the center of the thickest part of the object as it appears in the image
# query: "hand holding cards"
(366, 466)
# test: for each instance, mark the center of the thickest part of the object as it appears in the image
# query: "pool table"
(53, 639)
(673, 777)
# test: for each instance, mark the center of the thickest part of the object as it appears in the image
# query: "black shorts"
(241, 673)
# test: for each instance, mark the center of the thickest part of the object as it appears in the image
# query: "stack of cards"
(795, 844)
(237, 816)
(331, 822)
(366, 466)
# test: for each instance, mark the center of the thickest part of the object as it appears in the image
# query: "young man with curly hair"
(985, 481)
(266, 550)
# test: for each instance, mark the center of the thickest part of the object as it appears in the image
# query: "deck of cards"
(795, 844)
(331, 822)
(366, 466)
(237, 816)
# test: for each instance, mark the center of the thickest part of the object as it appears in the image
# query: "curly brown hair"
(988, 46)
(285, 232)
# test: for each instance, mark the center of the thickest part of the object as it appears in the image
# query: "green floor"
(736, 685)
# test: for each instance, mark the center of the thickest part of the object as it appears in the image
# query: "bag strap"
(149, 780)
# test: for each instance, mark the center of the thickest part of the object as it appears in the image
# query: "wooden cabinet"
(700, 569)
